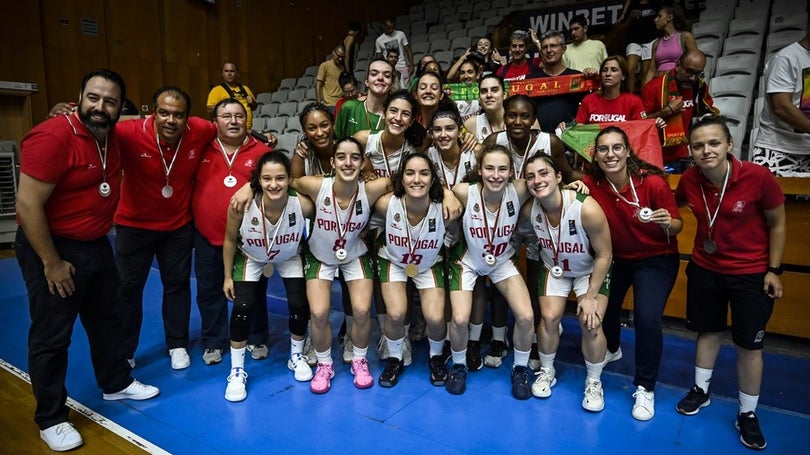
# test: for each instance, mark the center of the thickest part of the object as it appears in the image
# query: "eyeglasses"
(617, 148)
(693, 72)
(229, 117)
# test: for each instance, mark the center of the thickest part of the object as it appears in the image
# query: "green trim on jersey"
(239, 266)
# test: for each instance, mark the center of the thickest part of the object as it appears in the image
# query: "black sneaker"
(520, 383)
(496, 353)
(393, 370)
(750, 433)
(438, 370)
(474, 362)
(457, 379)
(693, 401)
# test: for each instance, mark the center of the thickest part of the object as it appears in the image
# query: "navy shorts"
(710, 294)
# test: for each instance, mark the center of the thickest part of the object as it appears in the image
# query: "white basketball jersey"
(570, 238)
(385, 166)
(542, 143)
(451, 176)
(475, 229)
(425, 239)
(284, 237)
(324, 241)
(482, 127)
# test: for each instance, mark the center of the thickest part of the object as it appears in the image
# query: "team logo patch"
(510, 208)
(254, 221)
(572, 227)
(760, 336)
(249, 163)
(467, 166)
(397, 217)
(476, 207)
(432, 225)
(327, 201)
(539, 218)
(358, 208)
(738, 207)
(192, 154)
(291, 219)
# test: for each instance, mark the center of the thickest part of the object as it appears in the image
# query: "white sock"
(748, 403)
(324, 357)
(359, 353)
(460, 357)
(499, 333)
(395, 347)
(703, 376)
(475, 332)
(521, 358)
(436, 347)
(547, 360)
(296, 346)
(238, 357)
(594, 370)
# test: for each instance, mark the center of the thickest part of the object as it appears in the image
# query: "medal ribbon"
(713, 217)
(167, 169)
(228, 162)
(267, 241)
(102, 158)
(554, 244)
(490, 234)
(341, 231)
(635, 202)
(515, 172)
(385, 156)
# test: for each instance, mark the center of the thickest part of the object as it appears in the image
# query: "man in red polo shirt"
(160, 156)
(736, 262)
(519, 67)
(70, 174)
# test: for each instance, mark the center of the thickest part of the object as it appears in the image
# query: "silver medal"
(167, 191)
(645, 214)
(340, 254)
(267, 270)
(104, 189)
(709, 246)
(230, 181)
(557, 271)
(490, 259)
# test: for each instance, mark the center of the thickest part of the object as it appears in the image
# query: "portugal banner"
(643, 135)
(549, 86)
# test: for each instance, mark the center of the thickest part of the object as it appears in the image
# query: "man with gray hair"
(519, 67)
(555, 109)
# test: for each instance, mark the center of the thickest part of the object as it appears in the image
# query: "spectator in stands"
(454, 74)
(644, 220)
(783, 142)
(736, 261)
(350, 45)
(327, 84)
(519, 67)
(367, 114)
(232, 88)
(678, 96)
(493, 60)
(491, 93)
(397, 38)
(468, 74)
(640, 36)
(673, 41)
(349, 89)
(426, 64)
(583, 54)
(392, 57)
(554, 109)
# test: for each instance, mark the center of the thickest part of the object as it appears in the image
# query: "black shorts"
(709, 295)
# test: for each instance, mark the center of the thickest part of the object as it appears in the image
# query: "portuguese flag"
(643, 135)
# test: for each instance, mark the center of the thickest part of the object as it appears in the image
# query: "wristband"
(775, 270)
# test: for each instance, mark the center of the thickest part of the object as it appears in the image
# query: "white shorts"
(548, 286)
(462, 277)
(356, 269)
(642, 50)
(426, 279)
(290, 268)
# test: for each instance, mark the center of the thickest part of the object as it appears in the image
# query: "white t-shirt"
(396, 38)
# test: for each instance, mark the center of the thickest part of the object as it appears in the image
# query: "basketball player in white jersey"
(410, 247)
(576, 251)
(268, 236)
(491, 93)
(492, 206)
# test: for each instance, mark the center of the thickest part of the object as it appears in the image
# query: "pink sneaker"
(362, 377)
(322, 381)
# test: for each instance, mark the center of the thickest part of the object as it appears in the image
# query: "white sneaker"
(212, 356)
(594, 399)
(644, 409)
(180, 358)
(348, 348)
(298, 364)
(258, 351)
(237, 385)
(382, 349)
(407, 352)
(134, 391)
(309, 352)
(61, 437)
(613, 356)
(544, 382)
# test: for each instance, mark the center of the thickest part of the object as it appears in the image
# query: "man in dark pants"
(69, 187)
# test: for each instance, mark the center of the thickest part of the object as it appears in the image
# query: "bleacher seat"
(287, 83)
(263, 97)
(275, 125)
(732, 85)
(493, 20)
(710, 46)
(439, 45)
(293, 125)
(445, 58)
(736, 107)
(437, 33)
(754, 25)
(477, 32)
(759, 104)
(259, 124)
(453, 26)
(710, 29)
(421, 47)
(738, 130)
(305, 82)
(743, 44)
(298, 94)
(279, 97)
(288, 109)
(311, 71)
(737, 64)
(287, 142)
(459, 45)
(782, 22)
(776, 41)
(266, 110)
(479, 7)
(461, 32)
(788, 7)
(311, 94)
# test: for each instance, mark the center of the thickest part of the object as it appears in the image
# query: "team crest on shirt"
(467, 166)
(484, 131)
(327, 201)
(192, 154)
(254, 221)
(358, 208)
(572, 227)
(738, 207)
(539, 218)
(510, 208)
(249, 163)
(476, 207)
(291, 219)
(397, 217)
(432, 225)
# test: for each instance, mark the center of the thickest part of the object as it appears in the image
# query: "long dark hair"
(436, 192)
(278, 156)
(635, 165)
(415, 134)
